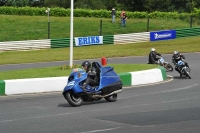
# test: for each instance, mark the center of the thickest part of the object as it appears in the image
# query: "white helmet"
(153, 49)
(175, 52)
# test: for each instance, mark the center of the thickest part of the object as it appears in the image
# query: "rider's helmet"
(153, 50)
(176, 54)
(86, 64)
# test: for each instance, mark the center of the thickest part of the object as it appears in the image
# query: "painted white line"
(101, 130)
(173, 90)
(37, 117)
(170, 101)
(178, 89)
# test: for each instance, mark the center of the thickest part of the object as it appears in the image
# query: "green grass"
(35, 27)
(90, 52)
(190, 44)
(14, 28)
(57, 71)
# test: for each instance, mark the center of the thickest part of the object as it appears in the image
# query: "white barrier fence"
(52, 84)
(132, 38)
(35, 85)
(25, 45)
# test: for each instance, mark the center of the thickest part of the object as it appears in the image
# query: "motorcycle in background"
(165, 64)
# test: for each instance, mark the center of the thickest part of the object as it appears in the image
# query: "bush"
(60, 12)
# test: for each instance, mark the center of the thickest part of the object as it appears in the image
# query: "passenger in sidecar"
(109, 80)
(93, 72)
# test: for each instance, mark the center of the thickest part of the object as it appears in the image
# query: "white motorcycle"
(165, 64)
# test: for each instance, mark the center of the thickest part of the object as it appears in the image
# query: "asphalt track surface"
(168, 107)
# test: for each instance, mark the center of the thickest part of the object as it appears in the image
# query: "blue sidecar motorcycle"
(185, 71)
(110, 85)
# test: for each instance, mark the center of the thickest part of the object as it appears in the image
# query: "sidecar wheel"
(111, 98)
(72, 99)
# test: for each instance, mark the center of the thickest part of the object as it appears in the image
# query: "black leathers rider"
(177, 57)
(152, 56)
(93, 75)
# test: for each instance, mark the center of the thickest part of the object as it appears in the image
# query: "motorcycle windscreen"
(109, 79)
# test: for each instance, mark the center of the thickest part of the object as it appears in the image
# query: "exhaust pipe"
(114, 92)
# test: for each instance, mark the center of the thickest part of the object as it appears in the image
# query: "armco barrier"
(33, 85)
(143, 77)
(132, 38)
(38, 85)
(61, 43)
(25, 45)
(187, 32)
(107, 39)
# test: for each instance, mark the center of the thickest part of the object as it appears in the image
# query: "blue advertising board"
(162, 35)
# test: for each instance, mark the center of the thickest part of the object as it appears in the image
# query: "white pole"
(71, 34)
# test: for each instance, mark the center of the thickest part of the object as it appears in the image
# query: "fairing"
(75, 78)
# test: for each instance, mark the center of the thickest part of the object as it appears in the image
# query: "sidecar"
(109, 86)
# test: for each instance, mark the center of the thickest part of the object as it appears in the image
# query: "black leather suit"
(175, 60)
(152, 57)
(93, 77)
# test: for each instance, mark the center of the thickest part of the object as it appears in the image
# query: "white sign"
(88, 40)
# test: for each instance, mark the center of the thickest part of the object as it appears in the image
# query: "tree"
(157, 5)
(3, 2)
(90, 4)
(17, 3)
(57, 3)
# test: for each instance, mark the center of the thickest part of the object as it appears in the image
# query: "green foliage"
(17, 3)
(55, 72)
(67, 67)
(90, 4)
(59, 12)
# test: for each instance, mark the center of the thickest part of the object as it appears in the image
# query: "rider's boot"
(84, 89)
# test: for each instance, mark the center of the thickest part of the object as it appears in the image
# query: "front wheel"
(168, 67)
(187, 73)
(73, 99)
(111, 98)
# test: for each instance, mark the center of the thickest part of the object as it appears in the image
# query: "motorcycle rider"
(152, 56)
(177, 57)
(93, 76)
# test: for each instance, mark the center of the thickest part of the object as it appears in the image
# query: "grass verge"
(183, 45)
(59, 71)
(17, 28)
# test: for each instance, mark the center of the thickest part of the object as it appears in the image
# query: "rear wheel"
(73, 99)
(111, 98)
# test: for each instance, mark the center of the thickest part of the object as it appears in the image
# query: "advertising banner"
(162, 35)
(91, 40)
